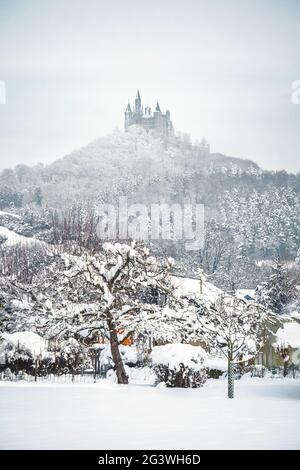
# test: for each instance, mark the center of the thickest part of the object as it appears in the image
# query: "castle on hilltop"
(143, 117)
(156, 121)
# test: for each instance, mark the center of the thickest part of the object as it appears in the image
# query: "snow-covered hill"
(124, 163)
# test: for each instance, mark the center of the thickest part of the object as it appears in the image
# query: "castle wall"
(158, 122)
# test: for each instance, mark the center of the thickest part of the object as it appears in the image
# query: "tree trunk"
(230, 378)
(116, 355)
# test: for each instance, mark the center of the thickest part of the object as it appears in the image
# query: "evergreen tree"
(278, 290)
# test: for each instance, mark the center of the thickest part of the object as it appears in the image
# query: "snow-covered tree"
(278, 290)
(233, 327)
(115, 284)
(297, 259)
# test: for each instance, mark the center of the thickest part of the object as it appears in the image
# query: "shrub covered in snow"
(24, 345)
(8, 375)
(179, 365)
(70, 356)
(24, 350)
(215, 366)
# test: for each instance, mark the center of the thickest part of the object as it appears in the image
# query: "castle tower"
(159, 122)
(128, 115)
(138, 103)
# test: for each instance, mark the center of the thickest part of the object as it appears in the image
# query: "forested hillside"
(252, 215)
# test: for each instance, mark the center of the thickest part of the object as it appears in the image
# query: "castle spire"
(138, 103)
(158, 107)
(128, 109)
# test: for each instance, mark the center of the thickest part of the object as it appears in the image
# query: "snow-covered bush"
(8, 375)
(24, 351)
(70, 356)
(215, 366)
(24, 345)
(22, 375)
(180, 376)
(214, 373)
(29, 352)
(179, 365)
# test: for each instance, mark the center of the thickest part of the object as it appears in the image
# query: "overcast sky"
(223, 68)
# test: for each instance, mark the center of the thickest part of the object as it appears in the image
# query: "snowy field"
(264, 415)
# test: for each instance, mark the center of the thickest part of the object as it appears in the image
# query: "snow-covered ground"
(13, 238)
(10, 214)
(264, 415)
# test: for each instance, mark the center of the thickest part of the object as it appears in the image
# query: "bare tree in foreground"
(232, 327)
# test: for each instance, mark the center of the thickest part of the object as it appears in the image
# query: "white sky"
(223, 68)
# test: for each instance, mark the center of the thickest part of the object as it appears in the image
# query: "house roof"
(191, 287)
